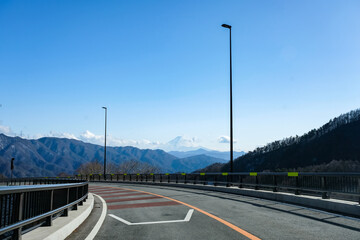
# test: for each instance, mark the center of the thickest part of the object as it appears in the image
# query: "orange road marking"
(230, 225)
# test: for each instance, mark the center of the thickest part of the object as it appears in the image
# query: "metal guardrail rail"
(24, 207)
(37, 181)
(335, 185)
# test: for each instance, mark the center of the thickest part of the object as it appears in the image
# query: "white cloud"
(179, 143)
(90, 137)
(225, 139)
(6, 130)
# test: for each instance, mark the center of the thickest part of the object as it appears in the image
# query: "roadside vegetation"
(130, 167)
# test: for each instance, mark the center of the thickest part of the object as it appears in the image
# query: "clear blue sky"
(162, 69)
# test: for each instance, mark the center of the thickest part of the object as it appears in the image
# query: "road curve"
(156, 212)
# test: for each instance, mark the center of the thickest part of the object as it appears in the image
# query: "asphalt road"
(156, 212)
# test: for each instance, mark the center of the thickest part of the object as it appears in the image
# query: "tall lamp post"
(231, 115)
(105, 143)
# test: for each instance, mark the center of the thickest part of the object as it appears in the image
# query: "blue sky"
(162, 69)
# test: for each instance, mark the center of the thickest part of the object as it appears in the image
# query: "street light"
(231, 117)
(105, 143)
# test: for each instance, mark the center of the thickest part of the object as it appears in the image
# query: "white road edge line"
(186, 219)
(96, 228)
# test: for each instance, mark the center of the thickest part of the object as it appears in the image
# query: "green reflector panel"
(125, 174)
(225, 174)
(151, 174)
(293, 174)
(138, 174)
(253, 174)
(166, 174)
(183, 174)
(202, 174)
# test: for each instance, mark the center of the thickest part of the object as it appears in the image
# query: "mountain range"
(210, 153)
(50, 156)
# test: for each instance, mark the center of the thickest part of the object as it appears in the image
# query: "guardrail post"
(17, 232)
(205, 179)
(325, 194)
(240, 181)
(256, 182)
(161, 178)
(77, 195)
(81, 190)
(195, 179)
(168, 178)
(185, 179)
(130, 177)
(227, 181)
(215, 180)
(275, 184)
(117, 177)
(66, 211)
(297, 191)
(48, 220)
(359, 188)
(177, 178)
(146, 177)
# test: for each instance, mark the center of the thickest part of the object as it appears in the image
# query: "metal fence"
(335, 185)
(25, 207)
(36, 181)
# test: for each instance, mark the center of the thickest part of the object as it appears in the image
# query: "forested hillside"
(338, 140)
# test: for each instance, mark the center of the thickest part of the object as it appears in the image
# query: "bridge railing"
(335, 185)
(37, 181)
(24, 207)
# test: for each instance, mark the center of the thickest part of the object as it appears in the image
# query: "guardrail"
(23, 208)
(336, 185)
(36, 181)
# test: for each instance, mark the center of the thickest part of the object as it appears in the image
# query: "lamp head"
(226, 26)
(104, 107)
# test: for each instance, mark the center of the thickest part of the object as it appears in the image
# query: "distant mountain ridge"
(211, 153)
(50, 156)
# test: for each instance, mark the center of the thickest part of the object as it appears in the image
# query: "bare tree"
(133, 166)
(94, 167)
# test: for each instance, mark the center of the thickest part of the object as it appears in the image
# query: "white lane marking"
(96, 228)
(186, 219)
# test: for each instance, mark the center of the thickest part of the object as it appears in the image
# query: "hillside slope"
(339, 139)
